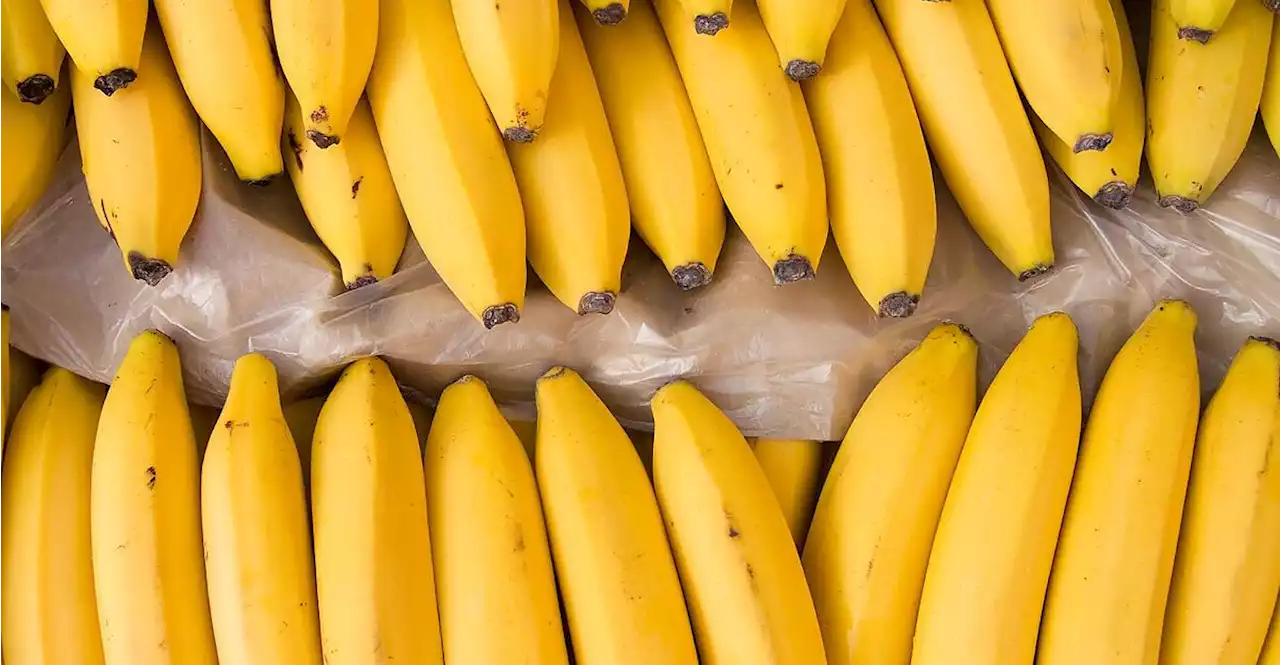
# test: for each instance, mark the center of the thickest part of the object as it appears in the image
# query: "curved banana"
(800, 30)
(675, 204)
(1000, 522)
(879, 180)
(257, 540)
(148, 565)
(24, 374)
(869, 541)
(1107, 592)
(347, 193)
(976, 126)
(607, 12)
(450, 169)
(1198, 120)
(617, 577)
(488, 538)
(372, 542)
(1269, 107)
(1200, 20)
(34, 137)
(575, 203)
(1108, 176)
(4, 388)
(512, 49)
(794, 470)
(708, 17)
(223, 52)
(759, 137)
(326, 49)
(103, 38)
(30, 54)
(140, 151)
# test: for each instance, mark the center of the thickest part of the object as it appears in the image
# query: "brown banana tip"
(553, 373)
(1269, 341)
(148, 270)
(519, 134)
(35, 89)
(321, 139)
(691, 275)
(794, 268)
(710, 24)
(1182, 204)
(117, 79)
(496, 315)
(898, 305)
(465, 379)
(1273, 5)
(596, 302)
(263, 181)
(1034, 271)
(962, 327)
(1195, 35)
(363, 280)
(1092, 142)
(610, 15)
(802, 70)
(1116, 195)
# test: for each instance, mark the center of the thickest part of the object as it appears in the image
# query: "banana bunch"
(34, 136)
(1270, 104)
(794, 470)
(30, 54)
(607, 12)
(104, 39)
(800, 31)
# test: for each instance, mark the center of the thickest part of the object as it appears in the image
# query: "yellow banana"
(450, 170)
(488, 538)
(34, 137)
(103, 38)
(1198, 120)
(148, 567)
(30, 53)
(868, 546)
(24, 374)
(1227, 572)
(50, 611)
(617, 577)
(607, 12)
(348, 195)
(1109, 176)
(759, 137)
(575, 202)
(512, 49)
(675, 204)
(4, 395)
(794, 470)
(1107, 593)
(879, 180)
(1000, 522)
(1200, 20)
(325, 48)
(372, 542)
(1271, 650)
(975, 124)
(1270, 104)
(742, 576)
(256, 537)
(222, 50)
(800, 30)
(141, 157)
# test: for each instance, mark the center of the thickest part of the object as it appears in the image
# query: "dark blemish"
(596, 302)
(35, 89)
(751, 572)
(613, 14)
(794, 268)
(499, 314)
(898, 305)
(1115, 195)
(363, 280)
(519, 134)
(296, 148)
(519, 542)
(802, 70)
(1034, 271)
(118, 79)
(733, 529)
(778, 186)
(691, 275)
(710, 24)
(319, 115)
(267, 180)
(355, 186)
(106, 218)
(1195, 35)
(151, 478)
(1181, 204)
(321, 139)
(1092, 142)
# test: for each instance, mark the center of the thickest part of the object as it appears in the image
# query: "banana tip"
(710, 24)
(596, 302)
(1197, 35)
(691, 275)
(363, 280)
(263, 181)
(499, 314)
(1092, 142)
(148, 270)
(322, 140)
(1034, 271)
(803, 70)
(1269, 341)
(1116, 195)
(1273, 5)
(794, 268)
(554, 373)
(117, 79)
(519, 134)
(1182, 204)
(35, 89)
(898, 305)
(612, 14)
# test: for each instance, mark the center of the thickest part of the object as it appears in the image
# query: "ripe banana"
(759, 137)
(325, 48)
(488, 538)
(800, 30)
(607, 12)
(347, 193)
(4, 388)
(869, 542)
(675, 204)
(1270, 104)
(148, 566)
(30, 53)
(512, 48)
(24, 374)
(975, 124)
(1227, 572)
(34, 137)
(1111, 573)
(256, 537)
(1200, 20)
(449, 167)
(103, 38)
(223, 52)
(879, 180)
(617, 577)
(794, 470)
(575, 203)
(141, 158)
(742, 576)
(1000, 522)
(1109, 176)
(1198, 119)
(372, 542)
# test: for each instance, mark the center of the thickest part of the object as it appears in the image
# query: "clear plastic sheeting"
(792, 361)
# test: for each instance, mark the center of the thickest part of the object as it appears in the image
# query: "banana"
(1108, 176)
(1107, 593)
(1000, 522)
(607, 12)
(512, 49)
(257, 541)
(103, 38)
(348, 195)
(1271, 650)
(30, 53)
(742, 576)
(868, 546)
(1270, 104)
(4, 390)
(34, 137)
(153, 606)
(617, 577)
(372, 540)
(449, 166)
(326, 49)
(141, 158)
(488, 538)
(709, 17)
(1198, 119)
(1227, 572)
(800, 30)
(222, 50)
(675, 204)
(24, 374)
(50, 611)
(759, 137)
(1200, 20)
(575, 202)
(976, 126)
(879, 181)
(794, 470)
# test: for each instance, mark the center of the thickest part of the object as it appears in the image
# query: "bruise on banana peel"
(36, 88)
(710, 24)
(320, 116)
(117, 79)
(1092, 142)
(521, 132)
